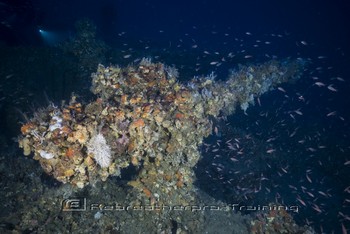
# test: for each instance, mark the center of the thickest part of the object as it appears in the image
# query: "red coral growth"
(147, 192)
(70, 153)
(26, 128)
(138, 123)
(179, 115)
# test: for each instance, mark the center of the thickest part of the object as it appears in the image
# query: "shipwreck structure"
(143, 117)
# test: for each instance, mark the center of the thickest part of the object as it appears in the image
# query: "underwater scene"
(174, 116)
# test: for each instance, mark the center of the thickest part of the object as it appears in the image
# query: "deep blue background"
(221, 26)
(322, 24)
(323, 21)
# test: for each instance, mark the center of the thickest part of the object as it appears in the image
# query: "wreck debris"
(144, 118)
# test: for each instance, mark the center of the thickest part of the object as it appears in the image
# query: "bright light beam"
(52, 38)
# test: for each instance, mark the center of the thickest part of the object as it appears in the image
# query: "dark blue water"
(296, 141)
